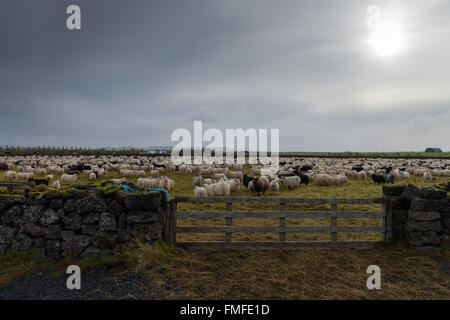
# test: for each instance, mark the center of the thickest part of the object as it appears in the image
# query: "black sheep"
(378, 179)
(247, 179)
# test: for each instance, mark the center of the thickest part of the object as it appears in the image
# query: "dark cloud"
(140, 69)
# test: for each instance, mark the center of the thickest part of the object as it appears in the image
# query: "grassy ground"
(291, 273)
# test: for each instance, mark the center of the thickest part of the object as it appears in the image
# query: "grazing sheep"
(292, 182)
(209, 189)
(361, 175)
(250, 186)
(56, 185)
(25, 175)
(146, 183)
(404, 175)
(274, 186)
(389, 177)
(197, 181)
(341, 179)
(69, 178)
(49, 177)
(221, 188)
(166, 183)
(234, 184)
(119, 181)
(154, 173)
(200, 191)
(10, 175)
(427, 176)
(261, 184)
(92, 176)
(235, 174)
(323, 179)
(378, 178)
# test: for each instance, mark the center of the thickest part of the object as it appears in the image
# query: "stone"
(424, 226)
(424, 215)
(430, 205)
(38, 242)
(53, 232)
(107, 222)
(105, 239)
(122, 221)
(90, 204)
(72, 221)
(73, 244)
(32, 213)
(400, 215)
(423, 238)
(74, 194)
(141, 217)
(51, 216)
(115, 208)
(6, 237)
(393, 191)
(91, 252)
(2, 207)
(432, 194)
(142, 202)
(53, 248)
(408, 195)
(11, 216)
(69, 206)
(33, 230)
(57, 203)
(91, 217)
(89, 229)
(22, 242)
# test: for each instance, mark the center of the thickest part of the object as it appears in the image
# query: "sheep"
(200, 191)
(119, 181)
(25, 175)
(49, 177)
(197, 181)
(234, 184)
(361, 175)
(323, 179)
(261, 184)
(10, 175)
(341, 179)
(290, 182)
(378, 178)
(427, 176)
(235, 174)
(221, 188)
(56, 185)
(274, 186)
(404, 175)
(154, 173)
(166, 183)
(146, 183)
(92, 176)
(250, 186)
(209, 189)
(68, 178)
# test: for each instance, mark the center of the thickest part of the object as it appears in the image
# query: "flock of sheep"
(218, 180)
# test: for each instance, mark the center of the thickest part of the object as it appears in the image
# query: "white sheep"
(56, 185)
(49, 177)
(274, 186)
(92, 176)
(291, 182)
(119, 181)
(200, 191)
(10, 175)
(427, 176)
(69, 178)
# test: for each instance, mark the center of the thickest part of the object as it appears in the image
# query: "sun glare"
(387, 39)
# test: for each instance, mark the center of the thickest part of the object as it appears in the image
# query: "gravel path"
(95, 284)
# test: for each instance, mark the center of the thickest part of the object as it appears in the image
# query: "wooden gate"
(171, 228)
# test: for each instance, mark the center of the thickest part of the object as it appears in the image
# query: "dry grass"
(15, 264)
(303, 273)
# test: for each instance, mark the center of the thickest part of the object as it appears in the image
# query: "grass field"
(259, 273)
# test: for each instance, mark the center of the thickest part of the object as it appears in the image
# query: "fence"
(171, 228)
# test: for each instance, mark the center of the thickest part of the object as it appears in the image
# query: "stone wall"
(420, 217)
(83, 221)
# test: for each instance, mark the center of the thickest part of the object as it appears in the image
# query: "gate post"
(170, 222)
(387, 219)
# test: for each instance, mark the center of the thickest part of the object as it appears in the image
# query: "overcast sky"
(140, 69)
